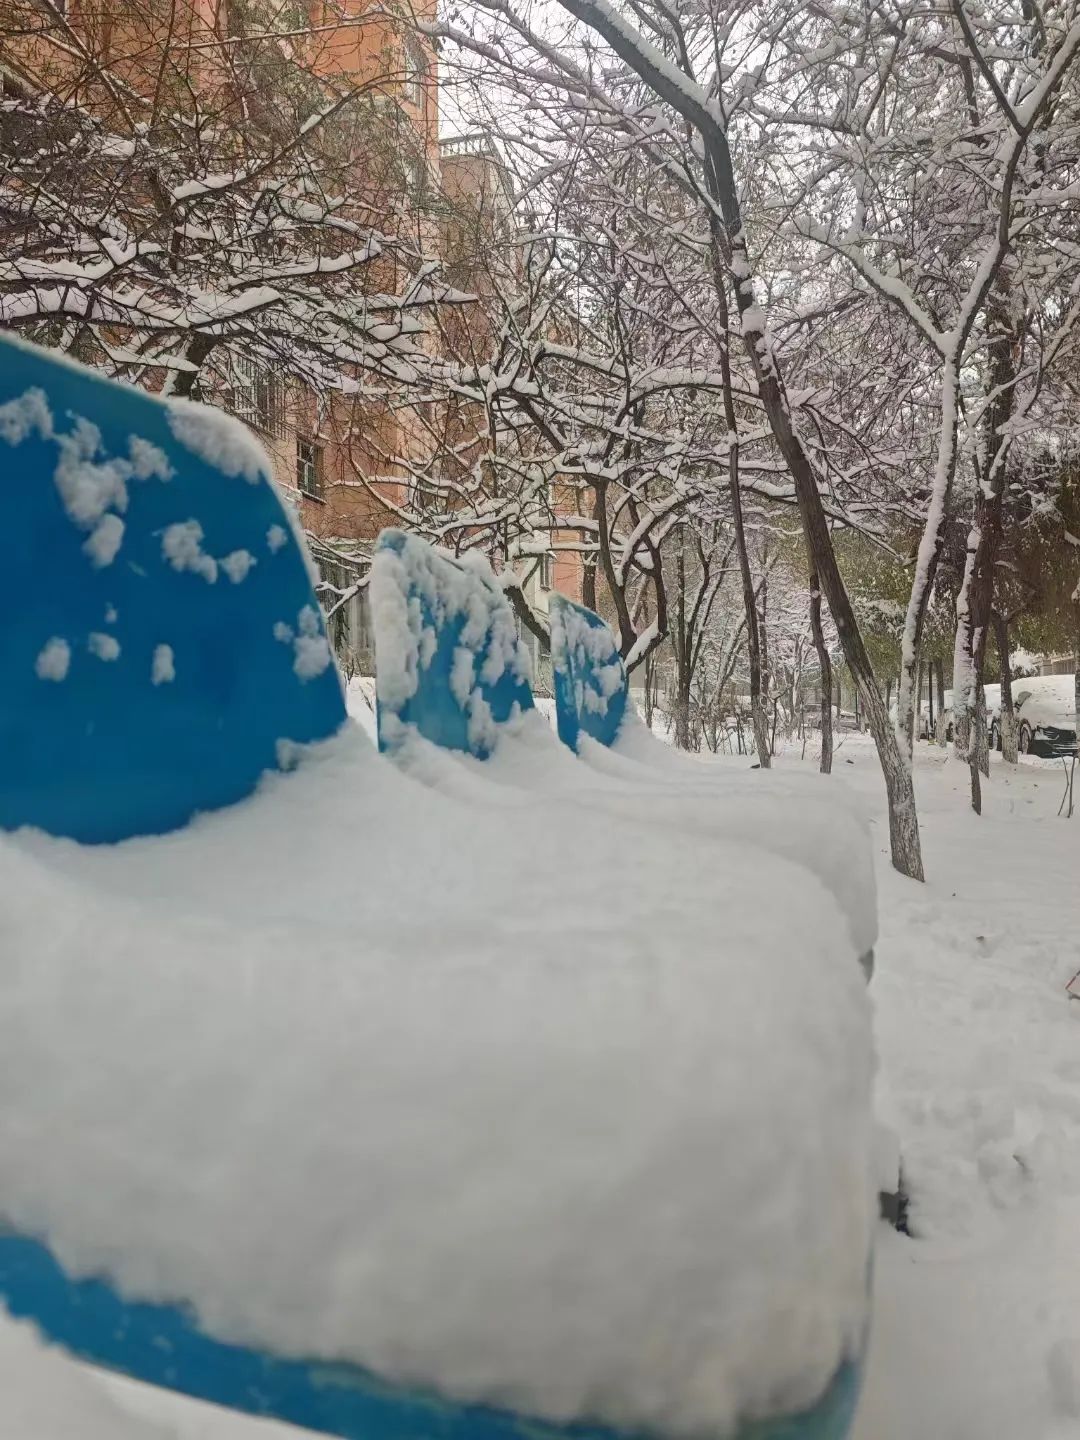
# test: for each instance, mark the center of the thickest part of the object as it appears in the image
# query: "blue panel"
(90, 746)
(163, 1345)
(591, 685)
(458, 615)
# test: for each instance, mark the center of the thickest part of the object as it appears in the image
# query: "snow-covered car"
(993, 716)
(1045, 709)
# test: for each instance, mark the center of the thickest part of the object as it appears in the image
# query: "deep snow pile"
(537, 1108)
(437, 620)
(46, 1396)
(975, 1331)
(800, 818)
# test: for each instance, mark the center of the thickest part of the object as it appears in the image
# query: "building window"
(547, 570)
(414, 69)
(256, 395)
(414, 174)
(309, 469)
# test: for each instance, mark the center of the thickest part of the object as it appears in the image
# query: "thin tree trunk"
(763, 593)
(896, 770)
(753, 636)
(939, 671)
(588, 584)
(930, 543)
(918, 699)
(1007, 722)
(975, 603)
(984, 732)
(825, 671)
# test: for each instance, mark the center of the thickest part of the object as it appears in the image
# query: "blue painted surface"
(462, 611)
(586, 703)
(104, 753)
(162, 1344)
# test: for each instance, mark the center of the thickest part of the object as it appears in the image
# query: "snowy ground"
(977, 1321)
(977, 1324)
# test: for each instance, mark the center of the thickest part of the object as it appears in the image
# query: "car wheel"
(1024, 742)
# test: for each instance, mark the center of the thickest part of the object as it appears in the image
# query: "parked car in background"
(1045, 708)
(993, 717)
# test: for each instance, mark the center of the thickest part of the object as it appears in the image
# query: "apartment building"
(348, 458)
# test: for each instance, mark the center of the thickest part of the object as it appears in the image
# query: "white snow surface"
(105, 647)
(163, 666)
(105, 540)
(975, 1333)
(223, 442)
(181, 545)
(817, 826)
(92, 484)
(54, 659)
(794, 816)
(508, 1100)
(976, 1326)
(237, 564)
(1051, 700)
(46, 1396)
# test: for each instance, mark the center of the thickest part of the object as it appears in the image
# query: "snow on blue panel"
(159, 633)
(449, 662)
(590, 679)
(163, 1345)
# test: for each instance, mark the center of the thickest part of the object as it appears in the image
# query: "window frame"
(257, 395)
(414, 72)
(314, 466)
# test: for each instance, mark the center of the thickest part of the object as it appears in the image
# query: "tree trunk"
(720, 177)
(1007, 723)
(825, 671)
(939, 671)
(930, 701)
(588, 584)
(983, 734)
(918, 700)
(903, 820)
(974, 605)
(753, 635)
(763, 593)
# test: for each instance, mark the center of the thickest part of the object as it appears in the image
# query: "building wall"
(359, 440)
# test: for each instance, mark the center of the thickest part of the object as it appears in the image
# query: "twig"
(1070, 771)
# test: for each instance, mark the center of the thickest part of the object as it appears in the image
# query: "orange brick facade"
(345, 461)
